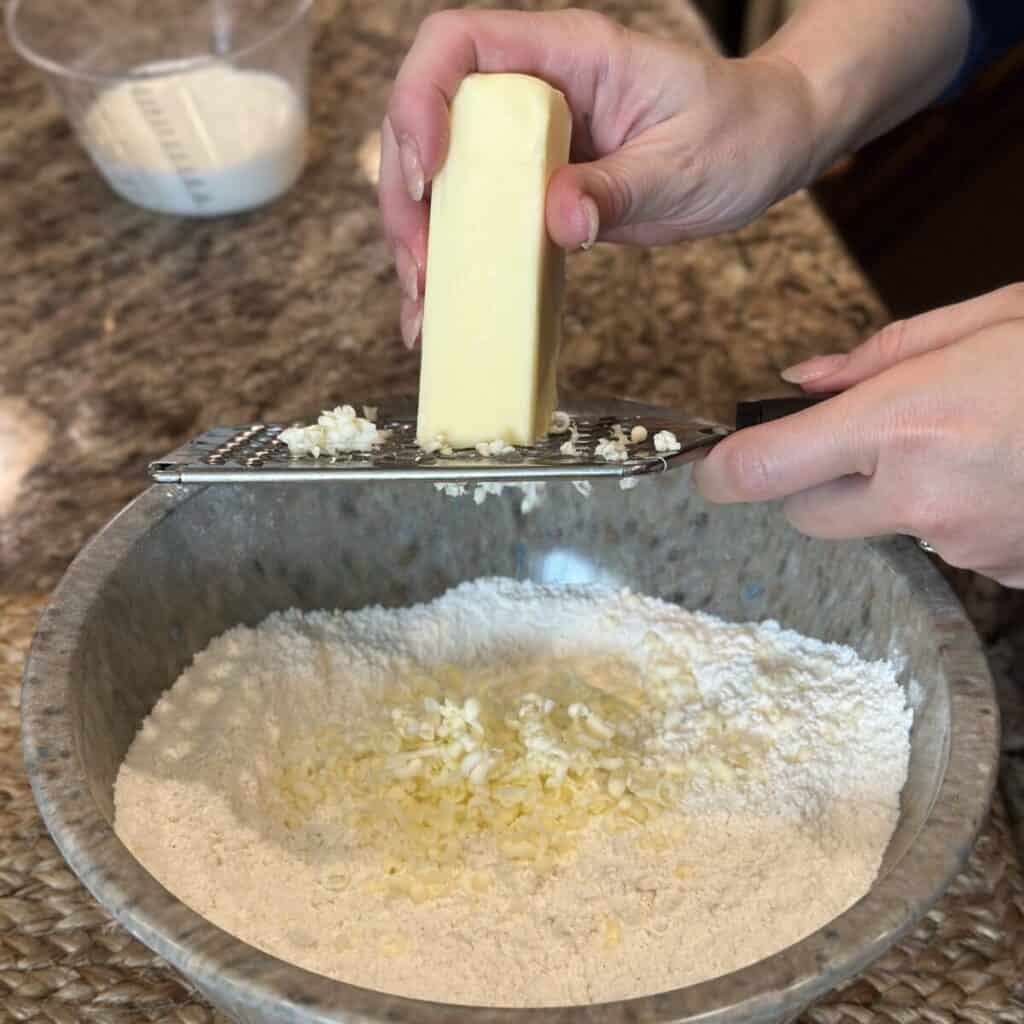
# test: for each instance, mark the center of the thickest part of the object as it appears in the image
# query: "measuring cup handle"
(764, 410)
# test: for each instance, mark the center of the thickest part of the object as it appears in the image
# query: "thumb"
(904, 339)
(587, 200)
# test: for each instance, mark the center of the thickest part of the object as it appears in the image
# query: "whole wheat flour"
(518, 795)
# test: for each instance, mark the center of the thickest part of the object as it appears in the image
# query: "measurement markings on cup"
(176, 152)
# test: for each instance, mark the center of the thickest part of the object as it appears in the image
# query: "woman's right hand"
(669, 142)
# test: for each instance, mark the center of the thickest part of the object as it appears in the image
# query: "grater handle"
(764, 410)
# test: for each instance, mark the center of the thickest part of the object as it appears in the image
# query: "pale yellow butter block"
(493, 301)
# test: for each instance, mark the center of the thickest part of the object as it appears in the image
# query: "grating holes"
(254, 446)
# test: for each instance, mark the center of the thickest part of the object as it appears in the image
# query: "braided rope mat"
(63, 961)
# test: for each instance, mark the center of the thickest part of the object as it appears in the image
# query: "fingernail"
(412, 169)
(408, 272)
(815, 369)
(593, 218)
(411, 322)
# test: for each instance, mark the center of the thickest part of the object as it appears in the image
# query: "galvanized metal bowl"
(181, 565)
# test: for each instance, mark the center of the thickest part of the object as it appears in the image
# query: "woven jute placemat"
(62, 959)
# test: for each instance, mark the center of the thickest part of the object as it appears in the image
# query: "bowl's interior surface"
(232, 555)
(181, 565)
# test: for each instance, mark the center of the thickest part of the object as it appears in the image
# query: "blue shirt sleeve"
(995, 26)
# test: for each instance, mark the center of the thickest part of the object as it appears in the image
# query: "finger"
(405, 225)
(840, 509)
(411, 322)
(834, 439)
(602, 199)
(571, 50)
(855, 507)
(905, 339)
(405, 221)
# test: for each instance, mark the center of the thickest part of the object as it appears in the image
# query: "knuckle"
(593, 23)
(398, 105)
(920, 431)
(744, 471)
(618, 194)
(891, 343)
(440, 23)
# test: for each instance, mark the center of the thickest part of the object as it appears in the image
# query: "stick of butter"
(493, 300)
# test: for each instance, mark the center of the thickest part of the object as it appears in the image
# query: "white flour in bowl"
(518, 795)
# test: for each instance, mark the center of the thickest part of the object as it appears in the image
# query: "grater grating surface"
(255, 454)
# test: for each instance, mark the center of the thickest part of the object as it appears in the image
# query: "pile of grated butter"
(529, 773)
(336, 431)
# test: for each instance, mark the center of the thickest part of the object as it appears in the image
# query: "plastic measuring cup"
(193, 107)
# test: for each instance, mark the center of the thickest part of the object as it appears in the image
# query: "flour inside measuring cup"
(198, 141)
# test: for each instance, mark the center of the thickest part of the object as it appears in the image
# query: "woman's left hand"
(926, 439)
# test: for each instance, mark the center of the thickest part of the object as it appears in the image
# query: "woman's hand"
(926, 439)
(669, 142)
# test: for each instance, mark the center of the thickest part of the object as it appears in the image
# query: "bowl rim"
(230, 969)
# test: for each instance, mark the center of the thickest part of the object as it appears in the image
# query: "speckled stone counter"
(124, 333)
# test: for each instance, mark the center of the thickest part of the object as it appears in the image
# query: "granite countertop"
(125, 333)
